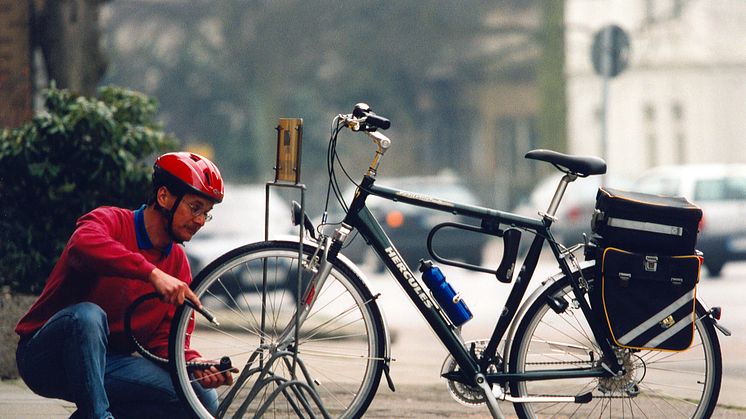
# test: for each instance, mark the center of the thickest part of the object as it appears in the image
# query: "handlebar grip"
(377, 121)
(362, 110)
(511, 240)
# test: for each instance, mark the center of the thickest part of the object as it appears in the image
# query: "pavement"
(17, 401)
(419, 356)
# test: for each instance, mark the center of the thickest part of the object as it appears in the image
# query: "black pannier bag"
(649, 299)
(646, 223)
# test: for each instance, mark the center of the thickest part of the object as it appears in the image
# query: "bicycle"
(550, 355)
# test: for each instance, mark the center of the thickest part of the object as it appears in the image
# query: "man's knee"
(90, 318)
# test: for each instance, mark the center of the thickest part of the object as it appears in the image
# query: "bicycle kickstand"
(489, 397)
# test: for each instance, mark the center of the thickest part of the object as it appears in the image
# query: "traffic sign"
(610, 51)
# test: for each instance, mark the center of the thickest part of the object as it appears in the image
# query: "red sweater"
(103, 263)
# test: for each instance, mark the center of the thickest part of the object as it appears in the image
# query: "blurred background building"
(469, 89)
(682, 97)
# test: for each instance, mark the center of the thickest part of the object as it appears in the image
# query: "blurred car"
(408, 226)
(576, 208)
(238, 220)
(720, 190)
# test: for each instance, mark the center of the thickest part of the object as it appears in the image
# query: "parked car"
(408, 226)
(238, 220)
(576, 209)
(720, 190)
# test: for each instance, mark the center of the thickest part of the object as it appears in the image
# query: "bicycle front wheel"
(656, 384)
(252, 291)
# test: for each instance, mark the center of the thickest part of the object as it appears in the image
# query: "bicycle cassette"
(463, 393)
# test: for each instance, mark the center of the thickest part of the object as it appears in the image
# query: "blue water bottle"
(448, 299)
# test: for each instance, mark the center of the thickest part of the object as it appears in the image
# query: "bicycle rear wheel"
(657, 384)
(341, 343)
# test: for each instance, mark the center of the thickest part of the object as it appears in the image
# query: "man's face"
(191, 214)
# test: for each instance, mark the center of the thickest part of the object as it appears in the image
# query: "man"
(73, 344)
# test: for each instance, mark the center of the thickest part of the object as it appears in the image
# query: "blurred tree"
(80, 153)
(225, 74)
(68, 34)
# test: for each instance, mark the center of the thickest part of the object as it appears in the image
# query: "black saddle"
(578, 165)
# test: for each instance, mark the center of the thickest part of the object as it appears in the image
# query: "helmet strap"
(169, 214)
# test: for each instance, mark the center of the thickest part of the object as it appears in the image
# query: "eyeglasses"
(197, 211)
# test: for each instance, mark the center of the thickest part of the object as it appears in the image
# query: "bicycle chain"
(571, 363)
(561, 363)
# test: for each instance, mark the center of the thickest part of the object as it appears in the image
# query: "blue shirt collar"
(143, 240)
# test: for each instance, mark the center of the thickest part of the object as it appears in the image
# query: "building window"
(649, 113)
(677, 8)
(677, 112)
(650, 11)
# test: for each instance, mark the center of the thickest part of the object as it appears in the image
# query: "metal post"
(606, 62)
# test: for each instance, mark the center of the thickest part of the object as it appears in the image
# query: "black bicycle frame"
(360, 218)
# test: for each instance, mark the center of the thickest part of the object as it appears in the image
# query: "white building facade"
(682, 98)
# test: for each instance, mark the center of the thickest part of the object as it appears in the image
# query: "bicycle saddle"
(580, 165)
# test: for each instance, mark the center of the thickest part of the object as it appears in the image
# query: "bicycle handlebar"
(364, 119)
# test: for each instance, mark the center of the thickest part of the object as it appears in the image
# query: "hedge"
(75, 155)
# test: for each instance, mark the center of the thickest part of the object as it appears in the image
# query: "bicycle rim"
(658, 384)
(341, 343)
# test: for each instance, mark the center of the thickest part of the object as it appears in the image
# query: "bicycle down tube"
(360, 218)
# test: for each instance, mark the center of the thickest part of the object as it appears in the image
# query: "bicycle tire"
(341, 343)
(668, 384)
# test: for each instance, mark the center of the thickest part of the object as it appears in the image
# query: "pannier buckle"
(668, 322)
(651, 263)
(677, 281)
(624, 278)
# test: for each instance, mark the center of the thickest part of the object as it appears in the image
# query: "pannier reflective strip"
(679, 326)
(687, 298)
(645, 226)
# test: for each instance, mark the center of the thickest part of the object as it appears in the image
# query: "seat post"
(558, 194)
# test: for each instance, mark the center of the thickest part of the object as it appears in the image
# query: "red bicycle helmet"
(185, 172)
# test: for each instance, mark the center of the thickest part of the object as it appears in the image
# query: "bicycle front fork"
(319, 264)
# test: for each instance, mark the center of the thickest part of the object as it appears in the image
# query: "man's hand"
(213, 377)
(171, 289)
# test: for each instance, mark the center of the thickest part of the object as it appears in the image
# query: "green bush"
(77, 154)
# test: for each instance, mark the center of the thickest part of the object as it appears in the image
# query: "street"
(419, 356)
